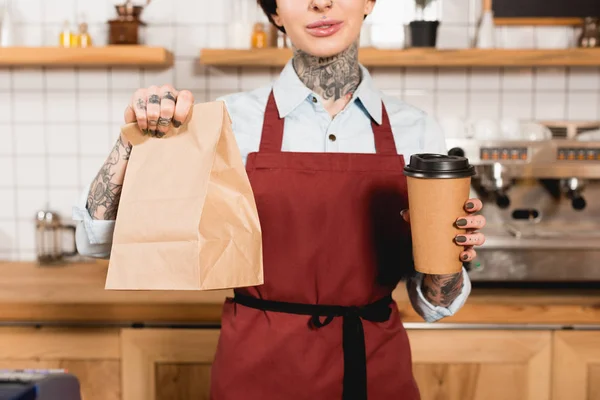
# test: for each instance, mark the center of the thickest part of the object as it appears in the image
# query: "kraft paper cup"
(438, 187)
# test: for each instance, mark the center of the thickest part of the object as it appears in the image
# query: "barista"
(332, 211)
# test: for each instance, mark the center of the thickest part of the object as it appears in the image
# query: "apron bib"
(323, 325)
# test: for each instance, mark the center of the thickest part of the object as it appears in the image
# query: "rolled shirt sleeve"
(430, 312)
(93, 237)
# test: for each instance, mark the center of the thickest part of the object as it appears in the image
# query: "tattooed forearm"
(105, 191)
(442, 290)
(330, 77)
(127, 148)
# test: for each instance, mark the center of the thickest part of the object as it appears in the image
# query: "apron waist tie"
(353, 336)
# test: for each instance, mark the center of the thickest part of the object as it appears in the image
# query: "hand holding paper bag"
(187, 218)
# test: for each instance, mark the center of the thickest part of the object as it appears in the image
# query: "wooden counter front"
(116, 361)
(75, 293)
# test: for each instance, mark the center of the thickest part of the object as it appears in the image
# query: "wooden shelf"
(371, 57)
(92, 57)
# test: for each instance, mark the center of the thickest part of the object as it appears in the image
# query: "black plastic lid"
(438, 166)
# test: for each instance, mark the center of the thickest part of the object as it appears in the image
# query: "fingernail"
(176, 123)
(461, 239)
(470, 205)
(465, 257)
(146, 131)
(461, 222)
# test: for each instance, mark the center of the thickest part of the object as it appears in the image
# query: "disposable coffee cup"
(438, 188)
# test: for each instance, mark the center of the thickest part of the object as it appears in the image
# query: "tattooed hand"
(155, 109)
(442, 290)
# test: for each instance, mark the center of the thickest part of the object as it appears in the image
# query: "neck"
(332, 78)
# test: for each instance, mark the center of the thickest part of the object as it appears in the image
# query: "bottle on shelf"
(85, 40)
(486, 34)
(7, 35)
(240, 28)
(259, 36)
(66, 36)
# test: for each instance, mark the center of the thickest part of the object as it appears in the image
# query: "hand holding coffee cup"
(438, 191)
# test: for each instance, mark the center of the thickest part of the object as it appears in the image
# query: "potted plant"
(423, 32)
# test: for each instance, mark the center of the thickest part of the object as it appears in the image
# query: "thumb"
(405, 215)
(129, 115)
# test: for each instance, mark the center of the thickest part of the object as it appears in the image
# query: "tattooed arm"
(442, 290)
(105, 190)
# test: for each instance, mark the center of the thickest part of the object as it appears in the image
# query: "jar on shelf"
(590, 37)
(85, 40)
(259, 36)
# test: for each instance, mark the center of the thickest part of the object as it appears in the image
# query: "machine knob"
(456, 151)
(502, 200)
(578, 203)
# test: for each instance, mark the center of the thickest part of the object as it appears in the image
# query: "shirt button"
(332, 137)
(314, 99)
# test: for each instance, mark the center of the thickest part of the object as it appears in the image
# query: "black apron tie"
(353, 335)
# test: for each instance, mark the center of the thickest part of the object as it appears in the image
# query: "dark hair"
(270, 8)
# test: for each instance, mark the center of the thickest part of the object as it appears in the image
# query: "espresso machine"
(542, 206)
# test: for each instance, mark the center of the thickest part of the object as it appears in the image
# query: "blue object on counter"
(38, 385)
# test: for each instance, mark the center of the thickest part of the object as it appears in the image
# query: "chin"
(325, 47)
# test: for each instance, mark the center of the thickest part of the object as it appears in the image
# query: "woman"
(334, 220)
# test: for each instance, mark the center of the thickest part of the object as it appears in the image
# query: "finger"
(405, 215)
(470, 239)
(471, 222)
(168, 97)
(153, 109)
(473, 205)
(138, 105)
(468, 255)
(185, 100)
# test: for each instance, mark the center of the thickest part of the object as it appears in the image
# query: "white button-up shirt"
(310, 128)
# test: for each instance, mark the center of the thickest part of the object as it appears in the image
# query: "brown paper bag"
(187, 218)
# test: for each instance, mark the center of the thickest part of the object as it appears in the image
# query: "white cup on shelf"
(485, 129)
(531, 130)
(454, 127)
(511, 129)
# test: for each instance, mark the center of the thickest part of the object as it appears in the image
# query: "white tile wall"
(517, 79)
(57, 126)
(6, 139)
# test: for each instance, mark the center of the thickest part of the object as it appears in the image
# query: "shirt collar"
(289, 92)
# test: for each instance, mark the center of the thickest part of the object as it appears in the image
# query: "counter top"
(74, 293)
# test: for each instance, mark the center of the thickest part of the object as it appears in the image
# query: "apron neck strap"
(384, 138)
(272, 133)
(271, 139)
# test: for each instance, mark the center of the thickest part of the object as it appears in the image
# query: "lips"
(324, 28)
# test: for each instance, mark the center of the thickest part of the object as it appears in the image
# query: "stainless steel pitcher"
(49, 238)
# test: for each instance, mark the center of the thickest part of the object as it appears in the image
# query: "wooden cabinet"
(448, 364)
(175, 364)
(482, 364)
(93, 355)
(170, 364)
(576, 365)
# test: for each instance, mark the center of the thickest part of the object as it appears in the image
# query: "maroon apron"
(323, 325)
